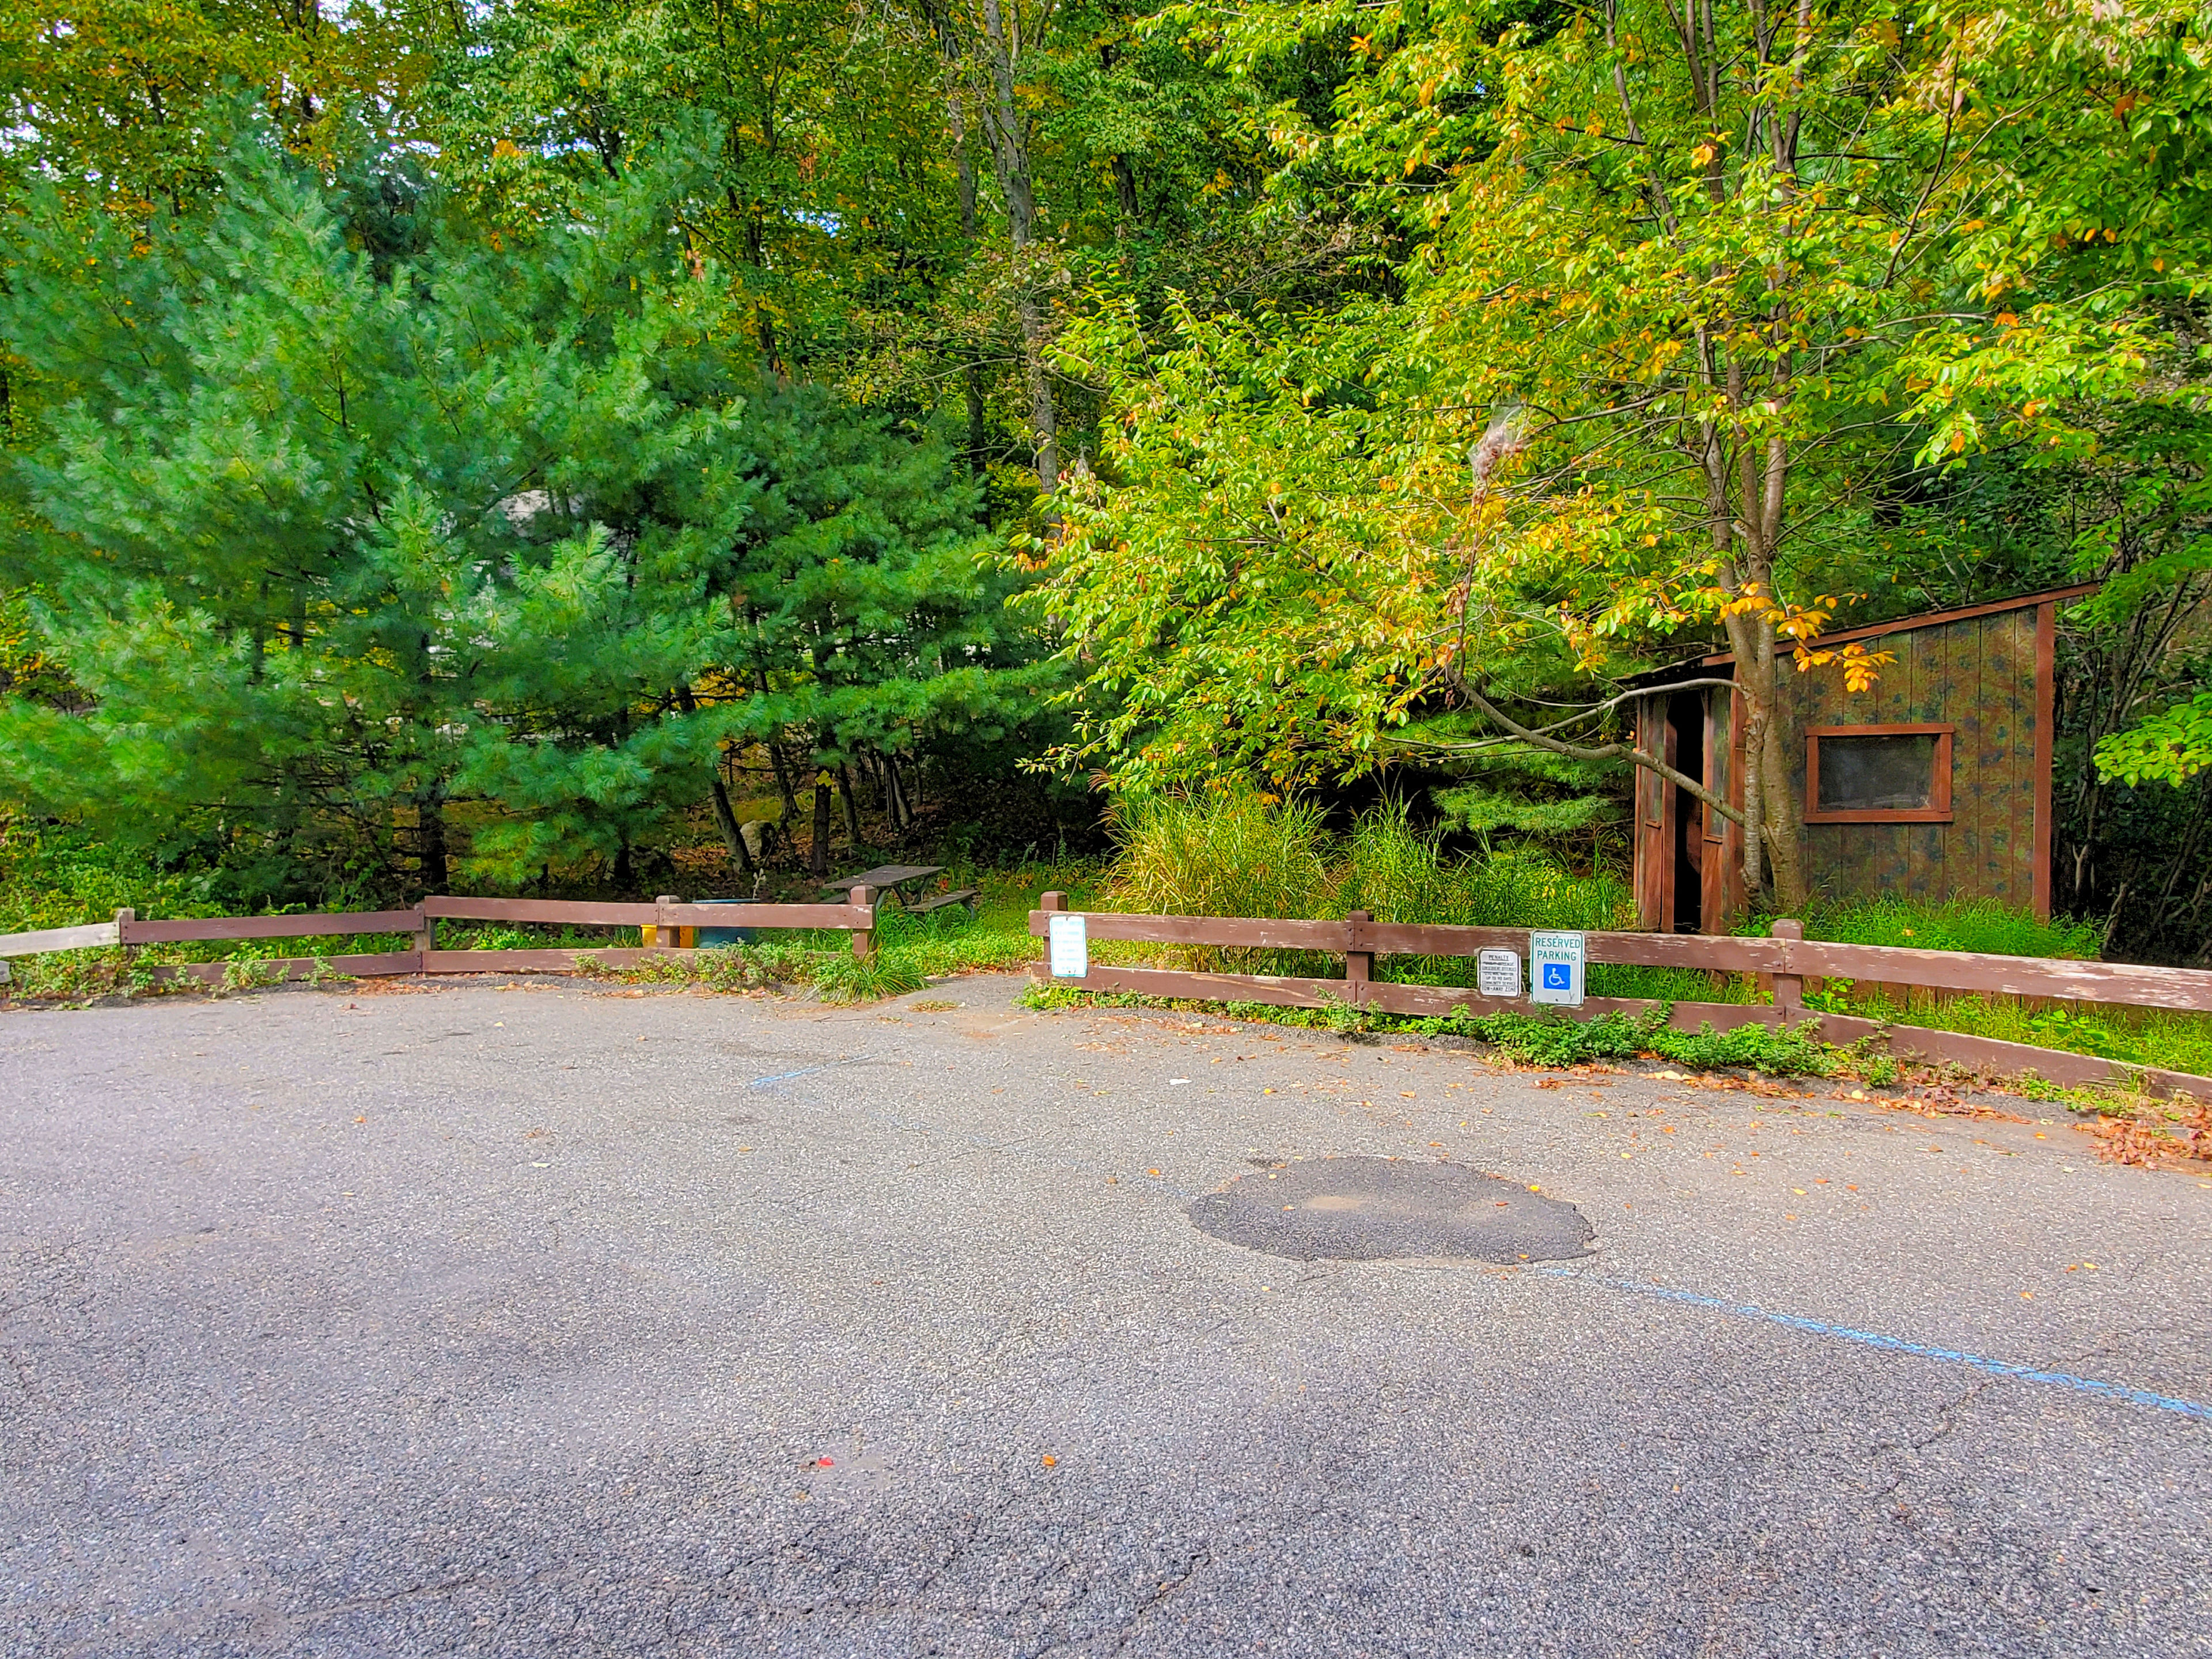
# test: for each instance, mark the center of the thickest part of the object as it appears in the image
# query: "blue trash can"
(711, 938)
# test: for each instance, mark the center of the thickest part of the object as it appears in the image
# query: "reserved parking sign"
(1555, 969)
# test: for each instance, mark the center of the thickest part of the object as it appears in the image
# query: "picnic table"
(888, 878)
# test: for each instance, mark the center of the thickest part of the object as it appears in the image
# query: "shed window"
(1878, 775)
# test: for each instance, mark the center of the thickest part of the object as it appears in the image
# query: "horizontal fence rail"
(198, 929)
(2183, 989)
(1787, 957)
(92, 938)
(659, 921)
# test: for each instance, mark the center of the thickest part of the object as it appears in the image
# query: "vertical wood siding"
(1979, 674)
(1655, 854)
(1722, 872)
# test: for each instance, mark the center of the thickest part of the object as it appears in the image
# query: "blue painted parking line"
(2118, 1391)
(805, 1070)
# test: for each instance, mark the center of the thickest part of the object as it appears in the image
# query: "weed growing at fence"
(1538, 1040)
(849, 978)
(1554, 1040)
(836, 974)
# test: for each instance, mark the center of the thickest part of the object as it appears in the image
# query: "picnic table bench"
(890, 877)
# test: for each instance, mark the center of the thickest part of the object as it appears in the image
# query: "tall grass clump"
(1235, 853)
(1395, 872)
(1238, 853)
(1231, 851)
(1398, 873)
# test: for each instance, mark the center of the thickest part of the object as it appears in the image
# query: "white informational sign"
(1070, 946)
(1555, 969)
(1497, 973)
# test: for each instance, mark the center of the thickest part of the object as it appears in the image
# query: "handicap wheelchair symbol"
(1559, 976)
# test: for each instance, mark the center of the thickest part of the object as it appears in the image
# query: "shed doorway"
(1685, 753)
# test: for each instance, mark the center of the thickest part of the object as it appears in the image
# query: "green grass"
(1233, 853)
(1238, 853)
(2140, 1037)
(1976, 925)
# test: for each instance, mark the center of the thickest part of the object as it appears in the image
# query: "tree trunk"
(963, 163)
(430, 839)
(784, 791)
(902, 814)
(1125, 187)
(852, 803)
(1010, 154)
(1770, 828)
(725, 818)
(818, 857)
(1783, 851)
(1124, 176)
(971, 372)
(734, 835)
(978, 434)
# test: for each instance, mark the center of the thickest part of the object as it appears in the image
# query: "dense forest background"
(527, 443)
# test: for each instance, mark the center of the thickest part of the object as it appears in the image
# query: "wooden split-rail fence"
(1786, 959)
(661, 921)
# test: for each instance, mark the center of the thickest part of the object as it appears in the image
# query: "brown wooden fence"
(1787, 959)
(663, 917)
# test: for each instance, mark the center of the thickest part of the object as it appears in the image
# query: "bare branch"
(1603, 752)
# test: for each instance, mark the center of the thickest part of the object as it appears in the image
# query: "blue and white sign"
(1070, 943)
(1555, 969)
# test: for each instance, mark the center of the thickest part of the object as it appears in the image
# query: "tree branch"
(1605, 751)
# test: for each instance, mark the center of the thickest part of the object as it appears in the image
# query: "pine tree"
(389, 550)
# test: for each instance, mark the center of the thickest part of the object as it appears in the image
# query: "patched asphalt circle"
(1372, 1209)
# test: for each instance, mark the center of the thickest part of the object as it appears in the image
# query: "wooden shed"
(1934, 784)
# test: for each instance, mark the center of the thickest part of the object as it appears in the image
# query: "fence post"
(665, 936)
(1051, 901)
(124, 918)
(1358, 966)
(426, 939)
(1789, 989)
(864, 937)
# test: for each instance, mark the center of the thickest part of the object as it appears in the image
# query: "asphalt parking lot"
(558, 1320)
